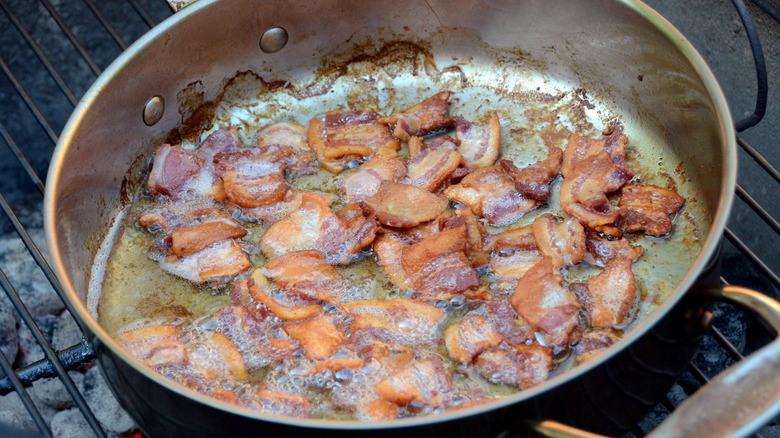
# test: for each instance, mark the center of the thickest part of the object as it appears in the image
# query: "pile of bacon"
(301, 329)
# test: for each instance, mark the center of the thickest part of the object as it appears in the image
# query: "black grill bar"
(142, 13)
(48, 352)
(21, 158)
(761, 73)
(758, 209)
(72, 38)
(28, 101)
(14, 381)
(39, 53)
(109, 28)
(747, 252)
(70, 358)
(759, 159)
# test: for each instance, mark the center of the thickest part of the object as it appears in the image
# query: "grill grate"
(33, 117)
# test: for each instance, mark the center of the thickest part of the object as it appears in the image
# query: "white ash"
(61, 331)
(100, 398)
(26, 277)
(52, 392)
(9, 340)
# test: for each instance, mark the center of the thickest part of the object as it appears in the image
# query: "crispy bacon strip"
(426, 382)
(403, 205)
(490, 193)
(647, 208)
(428, 116)
(216, 357)
(601, 250)
(273, 213)
(216, 263)
(584, 190)
(319, 336)
(609, 295)
(479, 145)
(438, 266)
(285, 313)
(155, 346)
(469, 337)
(314, 226)
(278, 403)
(548, 306)
(502, 317)
(580, 148)
(592, 344)
(169, 216)
(400, 322)
(533, 182)
(434, 165)
(196, 238)
(254, 177)
(347, 136)
(389, 249)
(302, 161)
(364, 181)
(509, 268)
(475, 233)
(306, 275)
(517, 238)
(253, 335)
(563, 242)
(522, 365)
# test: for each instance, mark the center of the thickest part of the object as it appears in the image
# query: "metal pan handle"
(734, 404)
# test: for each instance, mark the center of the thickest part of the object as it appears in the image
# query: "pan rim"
(723, 208)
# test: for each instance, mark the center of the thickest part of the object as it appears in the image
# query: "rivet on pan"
(273, 40)
(153, 110)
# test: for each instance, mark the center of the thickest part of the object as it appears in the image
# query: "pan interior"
(545, 68)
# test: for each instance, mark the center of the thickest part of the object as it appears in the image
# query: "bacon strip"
(314, 226)
(523, 365)
(389, 249)
(253, 335)
(398, 323)
(254, 177)
(319, 337)
(647, 208)
(609, 295)
(490, 193)
(403, 205)
(306, 275)
(172, 170)
(426, 382)
(533, 182)
(426, 117)
(278, 403)
(584, 190)
(347, 136)
(196, 238)
(285, 313)
(216, 263)
(469, 337)
(602, 250)
(548, 306)
(155, 346)
(563, 242)
(363, 181)
(216, 357)
(438, 266)
(302, 161)
(431, 168)
(580, 148)
(479, 145)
